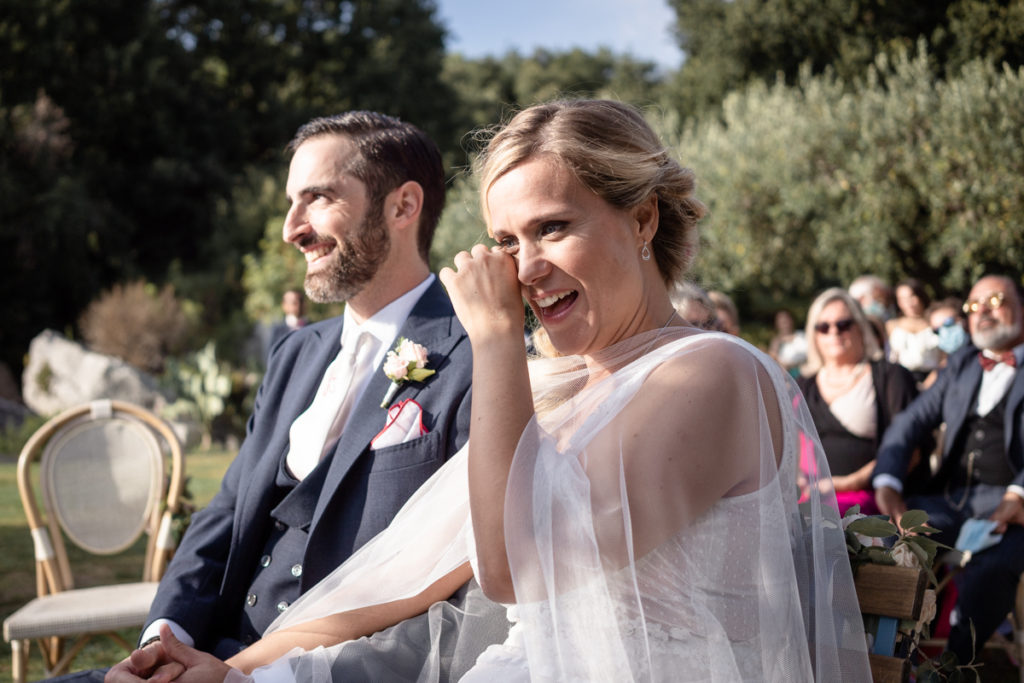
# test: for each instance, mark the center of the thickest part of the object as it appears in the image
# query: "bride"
(632, 499)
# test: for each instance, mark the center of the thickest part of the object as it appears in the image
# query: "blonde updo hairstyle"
(612, 151)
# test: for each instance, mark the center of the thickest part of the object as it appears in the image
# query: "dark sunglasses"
(842, 326)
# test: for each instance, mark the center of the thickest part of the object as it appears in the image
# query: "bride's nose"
(532, 264)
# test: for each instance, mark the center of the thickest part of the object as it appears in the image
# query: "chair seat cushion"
(83, 610)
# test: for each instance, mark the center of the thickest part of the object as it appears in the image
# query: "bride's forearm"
(502, 407)
(337, 628)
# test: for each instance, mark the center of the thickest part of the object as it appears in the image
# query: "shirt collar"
(385, 323)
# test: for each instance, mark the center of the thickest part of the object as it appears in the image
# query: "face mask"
(875, 309)
(952, 338)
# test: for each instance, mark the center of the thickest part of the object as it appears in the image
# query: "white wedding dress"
(618, 577)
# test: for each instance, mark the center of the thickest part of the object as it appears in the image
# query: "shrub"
(137, 324)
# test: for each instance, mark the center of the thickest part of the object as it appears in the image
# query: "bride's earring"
(645, 253)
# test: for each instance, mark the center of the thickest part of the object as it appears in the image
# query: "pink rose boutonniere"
(407, 361)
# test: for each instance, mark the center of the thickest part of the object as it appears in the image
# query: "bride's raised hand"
(484, 289)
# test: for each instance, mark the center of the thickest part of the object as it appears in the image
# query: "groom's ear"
(404, 204)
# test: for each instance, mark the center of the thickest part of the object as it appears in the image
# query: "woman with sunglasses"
(852, 393)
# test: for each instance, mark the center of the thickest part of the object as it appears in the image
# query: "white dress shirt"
(314, 433)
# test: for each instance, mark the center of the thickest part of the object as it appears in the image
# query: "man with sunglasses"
(980, 398)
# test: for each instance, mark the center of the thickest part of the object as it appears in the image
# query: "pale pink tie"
(315, 431)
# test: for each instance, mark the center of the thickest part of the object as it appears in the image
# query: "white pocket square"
(404, 423)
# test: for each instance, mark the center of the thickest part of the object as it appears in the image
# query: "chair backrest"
(103, 480)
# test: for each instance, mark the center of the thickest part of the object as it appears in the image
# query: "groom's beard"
(354, 263)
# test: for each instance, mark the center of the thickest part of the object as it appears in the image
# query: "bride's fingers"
(166, 673)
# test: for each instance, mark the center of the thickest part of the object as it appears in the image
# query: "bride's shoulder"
(711, 356)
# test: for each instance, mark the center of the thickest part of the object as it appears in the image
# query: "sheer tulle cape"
(618, 574)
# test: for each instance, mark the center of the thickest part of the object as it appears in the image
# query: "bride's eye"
(551, 228)
(507, 244)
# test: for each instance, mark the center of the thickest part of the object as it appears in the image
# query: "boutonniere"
(407, 361)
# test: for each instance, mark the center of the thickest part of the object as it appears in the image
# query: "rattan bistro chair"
(103, 480)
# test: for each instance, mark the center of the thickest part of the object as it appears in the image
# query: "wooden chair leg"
(19, 660)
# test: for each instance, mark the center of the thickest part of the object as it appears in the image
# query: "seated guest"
(789, 345)
(726, 312)
(912, 343)
(873, 295)
(979, 396)
(694, 306)
(851, 392)
(947, 321)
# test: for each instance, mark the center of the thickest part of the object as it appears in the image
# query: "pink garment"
(865, 498)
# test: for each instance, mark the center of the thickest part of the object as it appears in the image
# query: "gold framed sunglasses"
(993, 301)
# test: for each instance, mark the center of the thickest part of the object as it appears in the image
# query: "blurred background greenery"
(141, 150)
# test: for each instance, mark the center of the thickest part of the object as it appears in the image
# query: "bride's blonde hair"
(613, 152)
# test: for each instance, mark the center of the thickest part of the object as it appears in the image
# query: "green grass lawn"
(17, 567)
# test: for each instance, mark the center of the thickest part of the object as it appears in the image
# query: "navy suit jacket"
(204, 586)
(950, 400)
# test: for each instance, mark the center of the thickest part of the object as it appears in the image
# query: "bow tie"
(989, 363)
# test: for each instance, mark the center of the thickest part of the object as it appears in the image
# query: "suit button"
(282, 606)
(265, 561)
(296, 570)
(980, 434)
(250, 600)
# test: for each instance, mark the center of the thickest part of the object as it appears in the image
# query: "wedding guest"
(326, 464)
(694, 305)
(912, 343)
(726, 312)
(788, 345)
(979, 396)
(946, 318)
(851, 392)
(874, 296)
(293, 305)
(631, 498)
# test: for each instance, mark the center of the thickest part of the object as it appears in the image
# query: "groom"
(319, 473)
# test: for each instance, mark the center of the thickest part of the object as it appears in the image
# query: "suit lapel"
(429, 324)
(961, 400)
(307, 371)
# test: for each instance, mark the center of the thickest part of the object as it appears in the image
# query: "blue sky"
(639, 27)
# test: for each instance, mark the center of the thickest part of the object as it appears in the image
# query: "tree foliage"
(488, 90)
(812, 184)
(729, 43)
(129, 131)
